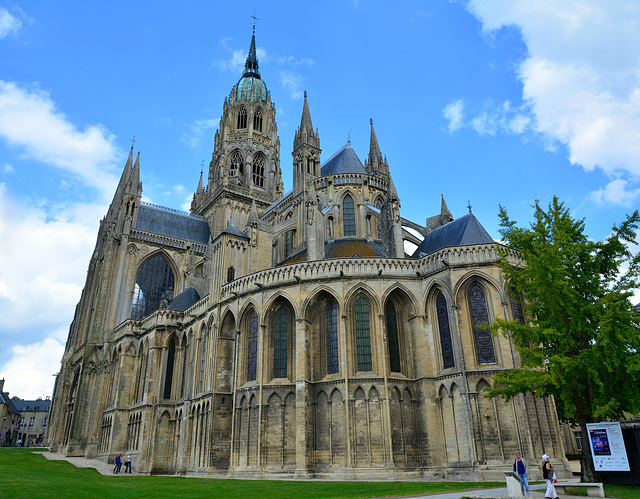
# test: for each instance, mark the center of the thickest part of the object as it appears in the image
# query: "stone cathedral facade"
(288, 334)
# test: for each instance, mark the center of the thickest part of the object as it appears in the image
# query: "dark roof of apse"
(234, 231)
(166, 222)
(5, 399)
(462, 231)
(185, 299)
(344, 161)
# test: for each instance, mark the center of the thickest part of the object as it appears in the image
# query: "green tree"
(582, 333)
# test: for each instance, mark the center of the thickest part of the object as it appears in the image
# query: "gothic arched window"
(257, 120)
(379, 206)
(393, 337)
(348, 216)
(202, 361)
(153, 288)
(363, 336)
(332, 336)
(280, 342)
(445, 332)
(168, 377)
(258, 170)
(252, 351)
(480, 315)
(242, 118)
(237, 164)
(184, 368)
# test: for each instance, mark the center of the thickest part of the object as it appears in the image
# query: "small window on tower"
(258, 171)
(231, 274)
(257, 120)
(242, 118)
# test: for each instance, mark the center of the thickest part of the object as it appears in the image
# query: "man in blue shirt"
(521, 468)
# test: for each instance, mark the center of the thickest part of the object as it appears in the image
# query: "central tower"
(245, 165)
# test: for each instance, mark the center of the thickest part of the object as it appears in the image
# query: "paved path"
(81, 462)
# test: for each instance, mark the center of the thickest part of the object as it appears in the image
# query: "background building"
(9, 419)
(34, 420)
(288, 334)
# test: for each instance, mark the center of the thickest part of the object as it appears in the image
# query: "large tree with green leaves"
(581, 338)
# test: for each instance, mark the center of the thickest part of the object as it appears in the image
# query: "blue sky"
(495, 102)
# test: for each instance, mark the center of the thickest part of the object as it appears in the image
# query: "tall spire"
(305, 122)
(444, 209)
(376, 161)
(251, 65)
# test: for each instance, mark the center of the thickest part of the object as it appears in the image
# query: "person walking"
(548, 475)
(118, 464)
(521, 468)
(127, 464)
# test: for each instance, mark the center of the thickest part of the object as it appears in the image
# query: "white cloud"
(29, 373)
(9, 24)
(196, 130)
(454, 113)
(30, 121)
(581, 77)
(292, 83)
(618, 191)
(7, 168)
(489, 119)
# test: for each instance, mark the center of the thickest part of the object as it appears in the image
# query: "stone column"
(302, 396)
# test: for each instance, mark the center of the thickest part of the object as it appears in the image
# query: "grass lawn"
(610, 490)
(30, 475)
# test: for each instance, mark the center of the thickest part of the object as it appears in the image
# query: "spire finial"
(133, 141)
(305, 95)
(349, 137)
(469, 206)
(201, 166)
(371, 121)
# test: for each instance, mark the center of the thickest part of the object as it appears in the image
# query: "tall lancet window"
(393, 337)
(252, 351)
(480, 314)
(237, 164)
(332, 336)
(203, 360)
(257, 120)
(445, 332)
(153, 288)
(242, 118)
(280, 342)
(379, 229)
(168, 378)
(363, 336)
(348, 216)
(258, 170)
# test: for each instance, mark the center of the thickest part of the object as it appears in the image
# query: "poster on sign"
(607, 447)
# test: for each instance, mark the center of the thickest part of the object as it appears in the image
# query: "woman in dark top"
(547, 474)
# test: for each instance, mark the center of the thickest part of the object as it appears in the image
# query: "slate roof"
(234, 231)
(33, 405)
(461, 232)
(344, 161)
(166, 222)
(185, 299)
(6, 400)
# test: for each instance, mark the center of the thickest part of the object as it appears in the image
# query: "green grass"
(31, 475)
(610, 490)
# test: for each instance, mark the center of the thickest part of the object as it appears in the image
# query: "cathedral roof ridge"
(172, 210)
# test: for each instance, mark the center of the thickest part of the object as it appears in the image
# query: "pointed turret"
(253, 214)
(444, 209)
(306, 151)
(198, 197)
(391, 224)
(251, 64)
(375, 161)
(443, 218)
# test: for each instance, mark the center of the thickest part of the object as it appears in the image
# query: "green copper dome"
(251, 86)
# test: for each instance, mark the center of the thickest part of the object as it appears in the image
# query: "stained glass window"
(349, 216)
(379, 206)
(252, 354)
(392, 337)
(332, 336)
(280, 339)
(184, 370)
(153, 288)
(480, 315)
(168, 379)
(363, 339)
(516, 308)
(445, 332)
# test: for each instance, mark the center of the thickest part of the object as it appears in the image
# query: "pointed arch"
(348, 216)
(257, 120)
(169, 364)
(242, 118)
(446, 345)
(362, 334)
(236, 165)
(480, 316)
(154, 285)
(257, 168)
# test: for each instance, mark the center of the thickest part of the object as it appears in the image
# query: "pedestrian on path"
(127, 464)
(521, 468)
(118, 463)
(549, 476)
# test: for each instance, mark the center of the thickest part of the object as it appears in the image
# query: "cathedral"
(271, 334)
